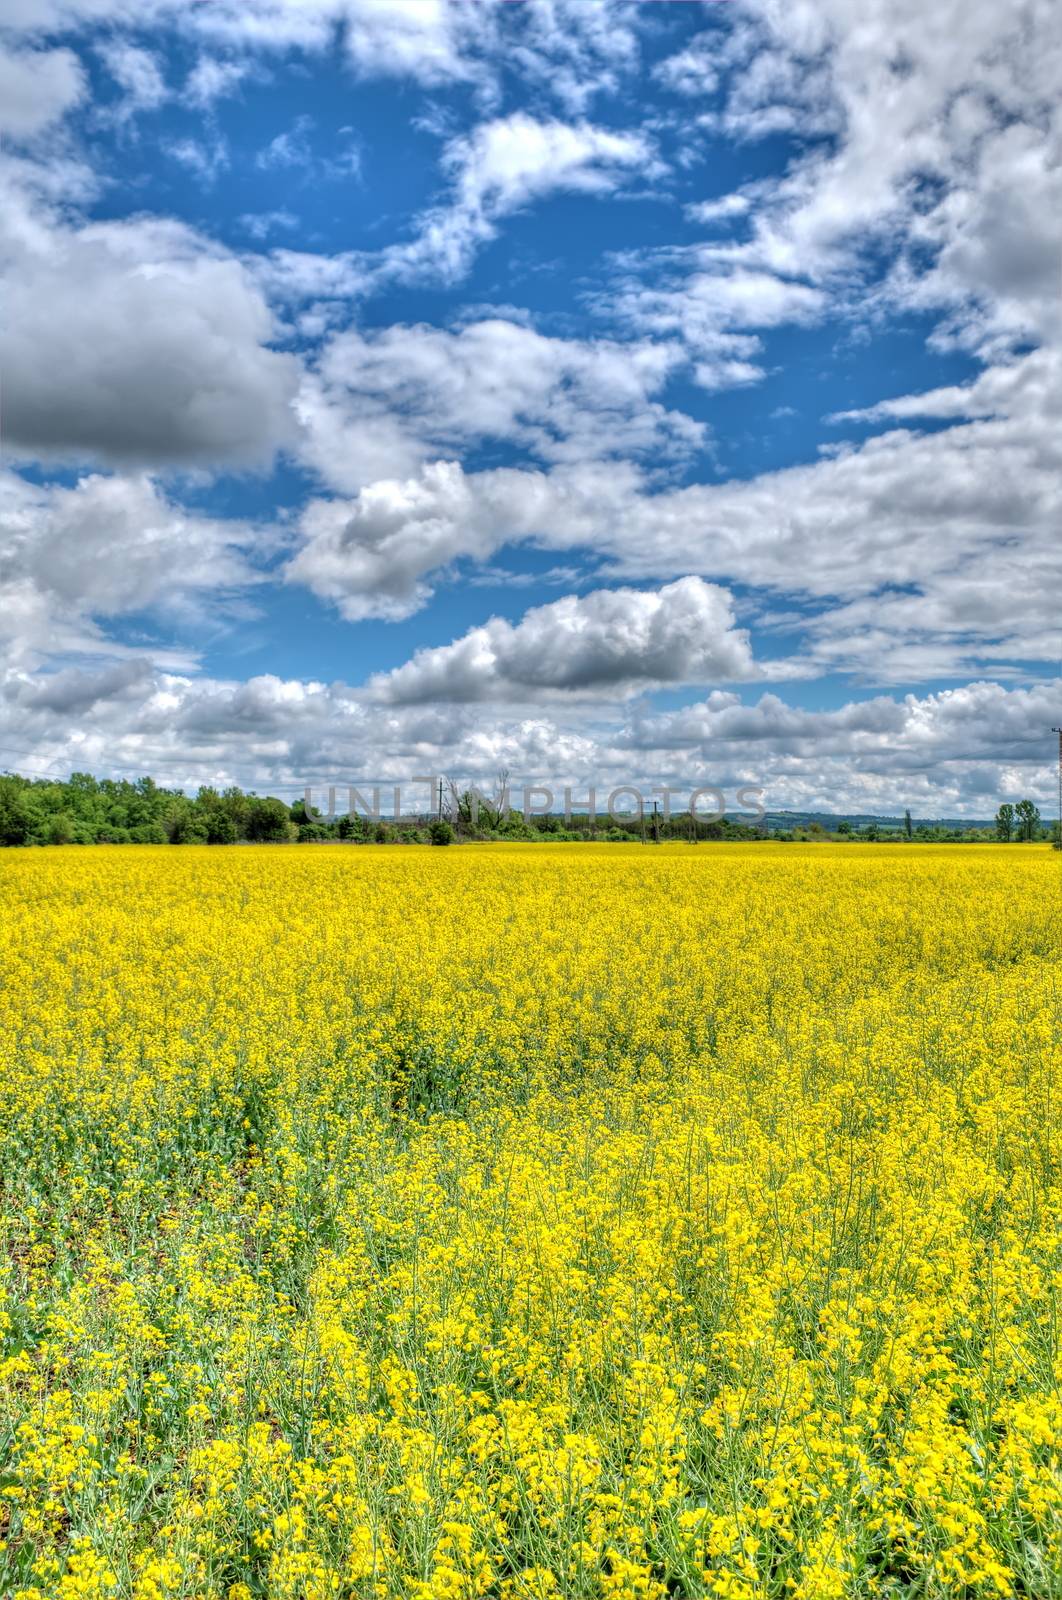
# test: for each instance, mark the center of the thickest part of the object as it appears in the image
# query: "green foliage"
(441, 832)
(1028, 817)
(268, 822)
(16, 813)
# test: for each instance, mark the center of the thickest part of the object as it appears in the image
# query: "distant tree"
(268, 821)
(148, 833)
(1028, 816)
(441, 832)
(844, 829)
(16, 818)
(1005, 822)
(60, 829)
(187, 825)
(301, 815)
(220, 827)
(871, 832)
(908, 825)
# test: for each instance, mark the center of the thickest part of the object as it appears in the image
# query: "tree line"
(87, 810)
(1022, 822)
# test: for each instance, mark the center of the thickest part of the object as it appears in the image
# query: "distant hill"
(782, 821)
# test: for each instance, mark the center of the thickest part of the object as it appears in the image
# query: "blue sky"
(601, 391)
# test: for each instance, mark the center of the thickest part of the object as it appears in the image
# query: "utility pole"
(656, 824)
(1058, 841)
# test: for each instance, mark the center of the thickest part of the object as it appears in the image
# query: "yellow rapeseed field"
(538, 1221)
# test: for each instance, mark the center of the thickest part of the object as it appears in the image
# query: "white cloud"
(138, 73)
(213, 79)
(725, 209)
(950, 536)
(260, 224)
(712, 310)
(37, 88)
(427, 41)
(105, 547)
(565, 48)
(961, 751)
(52, 16)
(134, 342)
(962, 97)
(291, 148)
(930, 168)
(372, 555)
(695, 69)
(203, 159)
(612, 641)
(572, 50)
(428, 391)
(1029, 385)
(504, 165)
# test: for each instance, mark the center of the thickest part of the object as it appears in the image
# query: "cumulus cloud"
(930, 164)
(504, 165)
(952, 532)
(138, 74)
(611, 641)
(291, 148)
(957, 752)
(107, 546)
(1029, 385)
(572, 50)
(711, 310)
(204, 160)
(37, 88)
(372, 555)
(403, 394)
(135, 342)
(563, 47)
(213, 78)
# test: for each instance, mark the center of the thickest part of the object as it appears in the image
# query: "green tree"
(269, 821)
(1028, 816)
(908, 825)
(60, 829)
(220, 828)
(1005, 822)
(441, 832)
(187, 825)
(16, 817)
